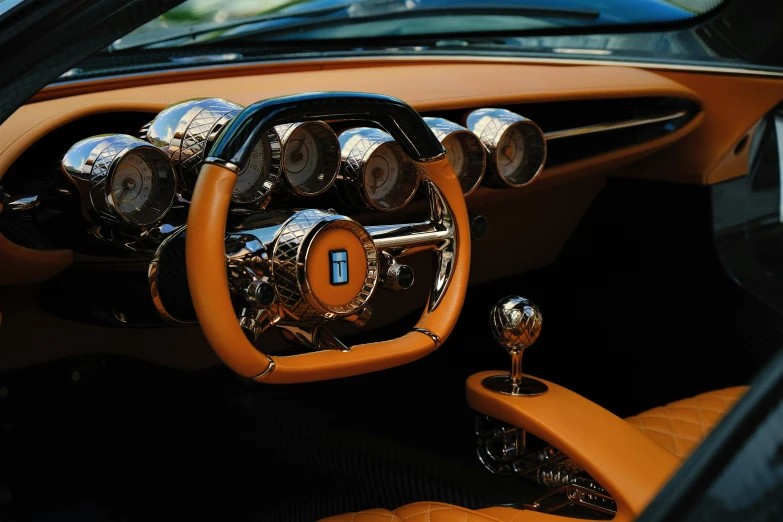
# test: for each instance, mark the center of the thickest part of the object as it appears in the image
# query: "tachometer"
(376, 169)
(516, 145)
(121, 178)
(186, 131)
(311, 157)
(464, 149)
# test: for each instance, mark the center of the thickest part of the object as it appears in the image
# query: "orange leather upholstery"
(679, 427)
(682, 425)
(431, 512)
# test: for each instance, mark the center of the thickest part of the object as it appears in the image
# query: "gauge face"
(455, 151)
(511, 153)
(390, 180)
(133, 184)
(311, 158)
(256, 179)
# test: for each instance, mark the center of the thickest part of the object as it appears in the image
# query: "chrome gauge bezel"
(186, 130)
(91, 165)
(476, 165)
(491, 125)
(265, 183)
(357, 147)
(329, 162)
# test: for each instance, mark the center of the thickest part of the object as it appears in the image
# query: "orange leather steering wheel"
(446, 233)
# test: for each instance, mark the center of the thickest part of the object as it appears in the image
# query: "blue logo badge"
(338, 267)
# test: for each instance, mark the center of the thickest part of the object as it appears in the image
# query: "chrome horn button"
(323, 266)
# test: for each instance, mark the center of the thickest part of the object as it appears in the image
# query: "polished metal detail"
(360, 318)
(312, 335)
(397, 277)
(186, 130)
(269, 369)
(476, 162)
(610, 126)
(90, 164)
(358, 146)
(429, 334)
(438, 233)
(153, 271)
(25, 204)
(491, 126)
(515, 323)
(504, 451)
(289, 265)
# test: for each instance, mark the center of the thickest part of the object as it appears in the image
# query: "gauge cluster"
(129, 183)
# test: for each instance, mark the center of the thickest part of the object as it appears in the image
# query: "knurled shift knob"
(515, 323)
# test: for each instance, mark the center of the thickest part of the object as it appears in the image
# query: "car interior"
(427, 289)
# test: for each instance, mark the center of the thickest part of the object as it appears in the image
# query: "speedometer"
(376, 170)
(121, 178)
(260, 175)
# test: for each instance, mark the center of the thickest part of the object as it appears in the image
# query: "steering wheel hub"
(324, 266)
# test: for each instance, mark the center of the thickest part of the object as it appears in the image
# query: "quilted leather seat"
(678, 427)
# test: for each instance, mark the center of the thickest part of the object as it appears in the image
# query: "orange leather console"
(206, 266)
(682, 425)
(628, 464)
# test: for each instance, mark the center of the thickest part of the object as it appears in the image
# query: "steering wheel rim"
(206, 254)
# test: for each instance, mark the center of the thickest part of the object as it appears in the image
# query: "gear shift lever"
(515, 323)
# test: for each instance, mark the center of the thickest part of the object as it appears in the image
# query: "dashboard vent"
(576, 130)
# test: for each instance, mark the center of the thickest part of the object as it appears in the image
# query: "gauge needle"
(507, 152)
(121, 197)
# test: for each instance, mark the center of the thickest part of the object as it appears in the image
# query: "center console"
(584, 454)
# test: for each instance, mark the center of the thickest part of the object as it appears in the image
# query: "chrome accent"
(360, 318)
(222, 163)
(186, 130)
(153, 269)
(429, 334)
(515, 323)
(23, 204)
(491, 125)
(330, 165)
(289, 265)
(610, 126)
(437, 233)
(357, 146)
(256, 322)
(392, 274)
(90, 164)
(476, 165)
(312, 335)
(269, 369)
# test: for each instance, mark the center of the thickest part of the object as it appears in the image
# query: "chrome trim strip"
(429, 334)
(610, 126)
(269, 369)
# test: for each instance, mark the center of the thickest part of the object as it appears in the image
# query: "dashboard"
(97, 185)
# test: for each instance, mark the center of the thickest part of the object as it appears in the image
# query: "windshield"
(201, 21)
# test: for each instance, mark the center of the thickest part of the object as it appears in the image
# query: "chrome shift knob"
(516, 324)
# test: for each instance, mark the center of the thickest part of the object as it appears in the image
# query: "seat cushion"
(682, 425)
(428, 512)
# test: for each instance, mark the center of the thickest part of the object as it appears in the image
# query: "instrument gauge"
(310, 157)
(121, 178)
(463, 149)
(186, 131)
(376, 170)
(516, 145)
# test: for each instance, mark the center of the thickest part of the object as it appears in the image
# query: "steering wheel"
(293, 266)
